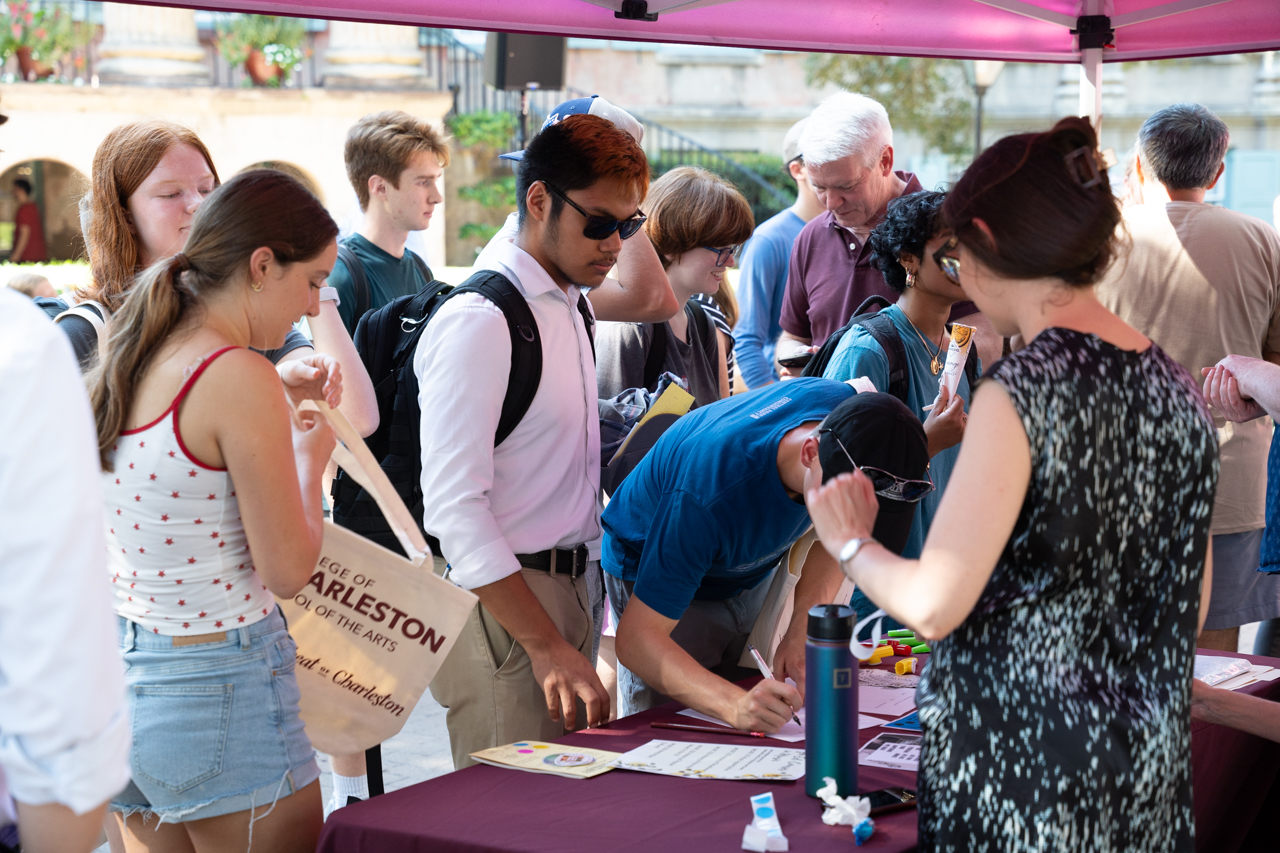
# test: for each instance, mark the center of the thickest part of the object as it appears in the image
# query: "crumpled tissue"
(841, 812)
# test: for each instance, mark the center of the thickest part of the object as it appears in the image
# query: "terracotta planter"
(260, 71)
(29, 68)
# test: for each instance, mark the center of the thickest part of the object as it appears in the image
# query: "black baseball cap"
(879, 431)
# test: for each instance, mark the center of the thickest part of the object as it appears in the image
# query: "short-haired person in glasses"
(518, 522)
(695, 532)
(696, 222)
(910, 247)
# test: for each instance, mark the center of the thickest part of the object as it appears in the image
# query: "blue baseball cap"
(595, 106)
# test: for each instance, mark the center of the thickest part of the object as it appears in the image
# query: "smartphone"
(891, 800)
(800, 359)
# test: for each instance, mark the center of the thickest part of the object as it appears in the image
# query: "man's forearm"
(641, 293)
(20, 243)
(520, 612)
(1250, 714)
(660, 663)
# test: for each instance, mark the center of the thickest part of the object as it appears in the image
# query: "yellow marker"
(878, 656)
(905, 666)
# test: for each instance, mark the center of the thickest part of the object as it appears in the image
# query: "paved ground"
(418, 753)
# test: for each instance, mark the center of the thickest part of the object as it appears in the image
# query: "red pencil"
(715, 730)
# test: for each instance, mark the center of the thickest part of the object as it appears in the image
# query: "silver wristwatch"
(851, 549)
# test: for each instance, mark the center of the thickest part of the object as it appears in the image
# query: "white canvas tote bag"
(372, 627)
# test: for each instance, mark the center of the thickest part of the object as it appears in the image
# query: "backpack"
(51, 305)
(386, 339)
(658, 346)
(881, 328)
(360, 282)
(95, 313)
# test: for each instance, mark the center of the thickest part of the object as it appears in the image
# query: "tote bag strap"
(353, 456)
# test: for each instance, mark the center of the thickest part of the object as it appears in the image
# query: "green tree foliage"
(495, 192)
(486, 129)
(928, 97)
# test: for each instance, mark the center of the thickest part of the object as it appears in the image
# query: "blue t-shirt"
(858, 354)
(705, 515)
(761, 283)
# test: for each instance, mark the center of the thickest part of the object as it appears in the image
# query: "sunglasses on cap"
(600, 227)
(888, 485)
(726, 255)
(949, 264)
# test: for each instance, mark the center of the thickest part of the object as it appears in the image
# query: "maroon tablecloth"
(1232, 774)
(506, 811)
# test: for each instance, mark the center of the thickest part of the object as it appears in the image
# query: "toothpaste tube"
(957, 354)
(764, 833)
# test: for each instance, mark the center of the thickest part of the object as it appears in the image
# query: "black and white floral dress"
(1056, 717)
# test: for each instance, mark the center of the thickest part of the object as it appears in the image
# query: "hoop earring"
(256, 285)
(911, 279)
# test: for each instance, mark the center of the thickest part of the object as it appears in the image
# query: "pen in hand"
(768, 673)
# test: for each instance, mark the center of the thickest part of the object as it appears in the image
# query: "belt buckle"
(581, 556)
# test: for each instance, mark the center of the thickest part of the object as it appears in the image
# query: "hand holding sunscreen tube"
(957, 355)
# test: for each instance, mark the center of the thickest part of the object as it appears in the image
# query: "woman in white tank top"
(213, 500)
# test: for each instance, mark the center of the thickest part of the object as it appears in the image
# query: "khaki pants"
(487, 682)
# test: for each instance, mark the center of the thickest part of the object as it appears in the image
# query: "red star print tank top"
(178, 558)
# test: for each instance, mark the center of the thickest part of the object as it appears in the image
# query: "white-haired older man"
(848, 156)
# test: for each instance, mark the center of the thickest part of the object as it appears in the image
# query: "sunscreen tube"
(957, 354)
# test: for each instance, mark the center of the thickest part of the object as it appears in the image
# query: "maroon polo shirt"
(831, 274)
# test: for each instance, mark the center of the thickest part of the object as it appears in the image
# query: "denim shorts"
(215, 726)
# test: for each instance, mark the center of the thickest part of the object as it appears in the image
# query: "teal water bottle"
(830, 701)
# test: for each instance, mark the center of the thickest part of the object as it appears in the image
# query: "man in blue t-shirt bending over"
(694, 533)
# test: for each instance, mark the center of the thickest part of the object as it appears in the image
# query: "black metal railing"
(459, 68)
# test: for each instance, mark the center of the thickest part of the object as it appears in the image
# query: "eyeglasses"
(724, 256)
(949, 265)
(889, 485)
(600, 227)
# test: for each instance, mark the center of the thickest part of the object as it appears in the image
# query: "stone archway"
(56, 189)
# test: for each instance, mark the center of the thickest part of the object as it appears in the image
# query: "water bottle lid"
(831, 622)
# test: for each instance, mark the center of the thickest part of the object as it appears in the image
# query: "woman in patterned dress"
(1066, 573)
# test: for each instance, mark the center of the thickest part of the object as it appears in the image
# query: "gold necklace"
(935, 361)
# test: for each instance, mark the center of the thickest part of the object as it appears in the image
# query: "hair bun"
(1071, 133)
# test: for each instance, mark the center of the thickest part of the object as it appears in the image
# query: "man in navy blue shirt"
(693, 534)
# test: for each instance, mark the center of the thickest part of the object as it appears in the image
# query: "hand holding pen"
(768, 673)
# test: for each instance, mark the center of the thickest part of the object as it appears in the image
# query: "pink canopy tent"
(1040, 31)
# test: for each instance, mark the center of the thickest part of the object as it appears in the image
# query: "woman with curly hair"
(904, 246)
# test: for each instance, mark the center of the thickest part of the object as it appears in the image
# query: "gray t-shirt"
(621, 350)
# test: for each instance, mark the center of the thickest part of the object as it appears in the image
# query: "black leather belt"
(570, 561)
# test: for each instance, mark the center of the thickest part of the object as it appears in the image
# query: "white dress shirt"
(538, 489)
(64, 722)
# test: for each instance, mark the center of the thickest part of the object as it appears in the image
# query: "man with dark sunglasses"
(517, 516)
(696, 531)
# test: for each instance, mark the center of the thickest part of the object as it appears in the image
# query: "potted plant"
(268, 48)
(39, 38)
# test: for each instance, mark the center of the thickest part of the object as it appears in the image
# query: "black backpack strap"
(874, 302)
(656, 357)
(886, 335)
(526, 346)
(359, 281)
(421, 265)
(971, 368)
